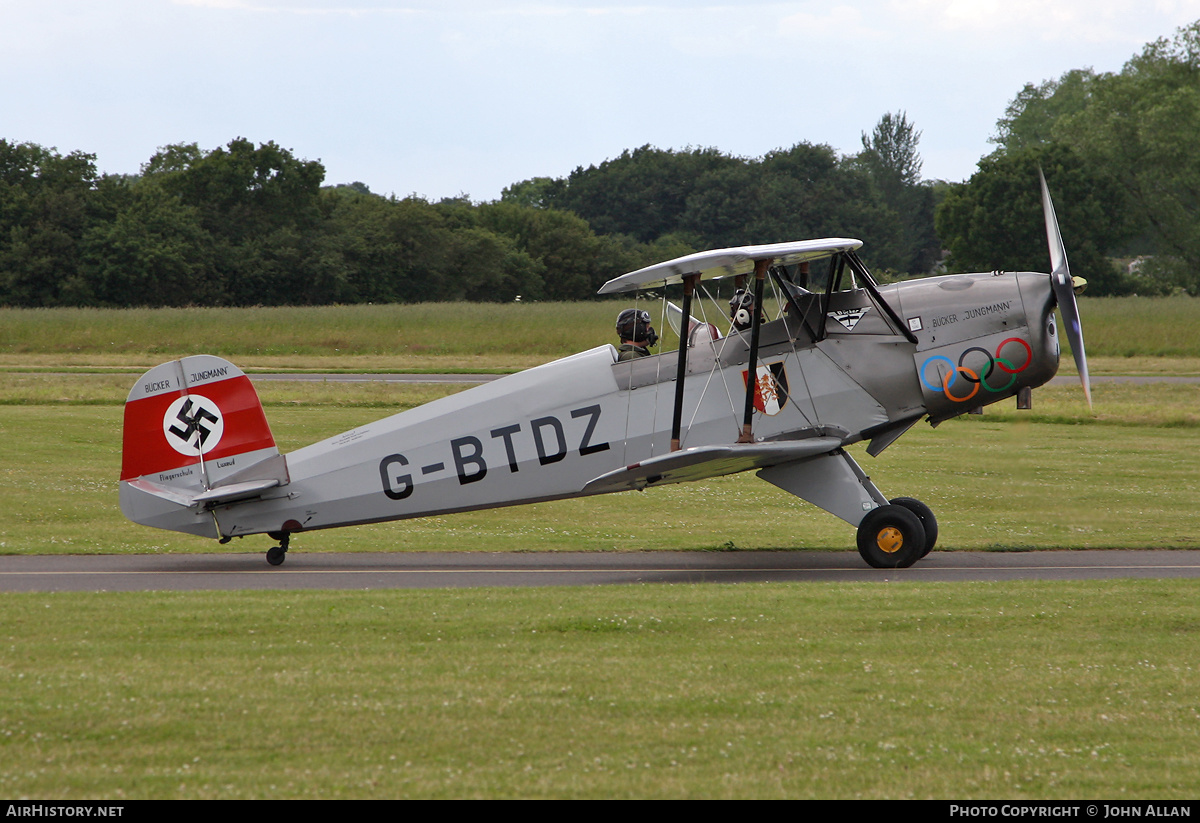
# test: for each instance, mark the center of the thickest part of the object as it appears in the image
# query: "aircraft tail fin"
(195, 436)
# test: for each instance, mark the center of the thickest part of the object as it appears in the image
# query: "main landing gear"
(277, 554)
(897, 535)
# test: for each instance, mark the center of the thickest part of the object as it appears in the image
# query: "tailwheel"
(891, 537)
(925, 515)
(277, 554)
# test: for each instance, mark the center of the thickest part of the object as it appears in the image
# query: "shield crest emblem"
(770, 388)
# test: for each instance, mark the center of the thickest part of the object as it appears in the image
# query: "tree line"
(253, 225)
(1120, 153)
(703, 198)
(248, 224)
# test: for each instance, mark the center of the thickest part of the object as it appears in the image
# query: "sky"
(446, 98)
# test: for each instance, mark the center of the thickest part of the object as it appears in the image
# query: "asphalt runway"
(417, 570)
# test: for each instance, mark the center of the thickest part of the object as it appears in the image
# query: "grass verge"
(1129, 335)
(1025, 690)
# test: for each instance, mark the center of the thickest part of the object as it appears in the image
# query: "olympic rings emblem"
(970, 375)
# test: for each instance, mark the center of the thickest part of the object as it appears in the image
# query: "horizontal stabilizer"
(235, 491)
(180, 497)
(268, 474)
(225, 493)
(709, 461)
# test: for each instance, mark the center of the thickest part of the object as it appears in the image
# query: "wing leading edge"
(728, 262)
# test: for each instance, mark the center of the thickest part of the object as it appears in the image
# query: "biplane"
(844, 360)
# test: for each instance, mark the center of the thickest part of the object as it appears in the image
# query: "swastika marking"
(193, 425)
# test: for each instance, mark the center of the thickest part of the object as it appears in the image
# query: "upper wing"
(727, 262)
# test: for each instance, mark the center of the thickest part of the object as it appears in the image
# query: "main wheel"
(276, 555)
(925, 515)
(891, 537)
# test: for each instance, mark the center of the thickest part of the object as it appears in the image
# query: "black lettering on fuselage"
(549, 439)
(463, 459)
(544, 457)
(396, 486)
(983, 311)
(507, 432)
(585, 446)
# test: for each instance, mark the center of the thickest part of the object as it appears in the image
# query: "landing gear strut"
(277, 554)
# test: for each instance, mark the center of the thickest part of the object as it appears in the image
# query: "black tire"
(891, 537)
(925, 515)
(276, 555)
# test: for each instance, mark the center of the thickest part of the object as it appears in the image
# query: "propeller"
(1064, 290)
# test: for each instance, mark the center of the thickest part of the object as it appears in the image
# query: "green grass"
(1061, 478)
(972, 691)
(469, 335)
(1132, 327)
(1026, 690)
(1126, 335)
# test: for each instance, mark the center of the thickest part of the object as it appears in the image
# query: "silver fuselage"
(545, 433)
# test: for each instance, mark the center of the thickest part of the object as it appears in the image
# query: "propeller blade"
(1064, 291)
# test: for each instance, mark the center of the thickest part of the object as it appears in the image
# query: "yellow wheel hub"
(889, 539)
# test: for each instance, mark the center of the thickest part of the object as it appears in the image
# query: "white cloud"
(446, 96)
(1051, 21)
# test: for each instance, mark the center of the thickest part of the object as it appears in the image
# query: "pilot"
(636, 333)
(741, 310)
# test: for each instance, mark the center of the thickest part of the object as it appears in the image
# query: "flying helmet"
(634, 324)
(741, 309)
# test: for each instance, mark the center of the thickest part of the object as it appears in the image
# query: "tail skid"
(195, 437)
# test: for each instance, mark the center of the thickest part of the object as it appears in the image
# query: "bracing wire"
(796, 354)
